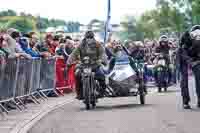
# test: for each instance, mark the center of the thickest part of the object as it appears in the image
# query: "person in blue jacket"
(25, 47)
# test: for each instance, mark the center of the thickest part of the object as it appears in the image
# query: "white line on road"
(28, 124)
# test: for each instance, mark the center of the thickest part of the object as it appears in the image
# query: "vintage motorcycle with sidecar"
(121, 81)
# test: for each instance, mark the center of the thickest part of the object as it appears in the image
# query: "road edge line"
(27, 125)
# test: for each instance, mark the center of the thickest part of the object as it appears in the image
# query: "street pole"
(107, 22)
(39, 27)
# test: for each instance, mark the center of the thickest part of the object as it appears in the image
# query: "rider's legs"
(184, 83)
(169, 73)
(78, 82)
(196, 71)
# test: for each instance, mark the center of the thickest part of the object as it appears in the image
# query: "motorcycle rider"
(190, 53)
(163, 49)
(183, 59)
(89, 47)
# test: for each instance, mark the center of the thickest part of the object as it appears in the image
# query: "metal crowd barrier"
(26, 78)
(48, 76)
(8, 80)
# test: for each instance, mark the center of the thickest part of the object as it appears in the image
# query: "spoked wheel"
(87, 106)
(142, 99)
(93, 104)
(87, 92)
(165, 89)
(142, 92)
(90, 93)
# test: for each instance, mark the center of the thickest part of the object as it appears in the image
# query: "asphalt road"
(163, 113)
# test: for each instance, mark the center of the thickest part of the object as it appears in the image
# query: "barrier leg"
(43, 98)
(55, 92)
(18, 107)
(60, 91)
(34, 99)
(4, 109)
(43, 94)
(20, 101)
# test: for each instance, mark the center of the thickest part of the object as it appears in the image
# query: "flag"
(107, 24)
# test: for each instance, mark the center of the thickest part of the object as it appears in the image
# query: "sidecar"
(124, 81)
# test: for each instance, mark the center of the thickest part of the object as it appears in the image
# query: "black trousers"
(196, 71)
(183, 69)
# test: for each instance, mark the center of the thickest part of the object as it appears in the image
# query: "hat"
(89, 34)
(11, 30)
(15, 34)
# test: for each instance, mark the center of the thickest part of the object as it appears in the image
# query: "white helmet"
(195, 32)
(163, 38)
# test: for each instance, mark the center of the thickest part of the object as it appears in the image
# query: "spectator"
(49, 45)
(25, 46)
(109, 50)
(16, 36)
(37, 46)
(3, 53)
(65, 48)
(10, 46)
(76, 43)
(33, 39)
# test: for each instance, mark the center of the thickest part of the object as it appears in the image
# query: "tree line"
(169, 16)
(26, 22)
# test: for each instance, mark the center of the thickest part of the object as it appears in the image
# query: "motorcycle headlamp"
(86, 60)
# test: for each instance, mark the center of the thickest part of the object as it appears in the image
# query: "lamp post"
(39, 26)
(107, 22)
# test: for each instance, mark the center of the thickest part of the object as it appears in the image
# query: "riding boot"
(79, 94)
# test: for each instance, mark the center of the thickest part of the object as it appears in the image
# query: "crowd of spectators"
(140, 50)
(14, 44)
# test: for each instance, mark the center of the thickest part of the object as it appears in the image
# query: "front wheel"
(93, 104)
(142, 92)
(87, 93)
(87, 106)
(142, 99)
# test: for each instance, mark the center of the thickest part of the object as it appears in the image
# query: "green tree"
(148, 24)
(129, 26)
(22, 24)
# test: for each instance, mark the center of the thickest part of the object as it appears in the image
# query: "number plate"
(87, 70)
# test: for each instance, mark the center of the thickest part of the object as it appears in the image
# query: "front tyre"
(142, 99)
(142, 92)
(87, 106)
(93, 103)
(87, 93)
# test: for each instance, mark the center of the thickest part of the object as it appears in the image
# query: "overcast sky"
(79, 10)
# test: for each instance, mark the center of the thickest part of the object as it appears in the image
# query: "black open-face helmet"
(89, 35)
